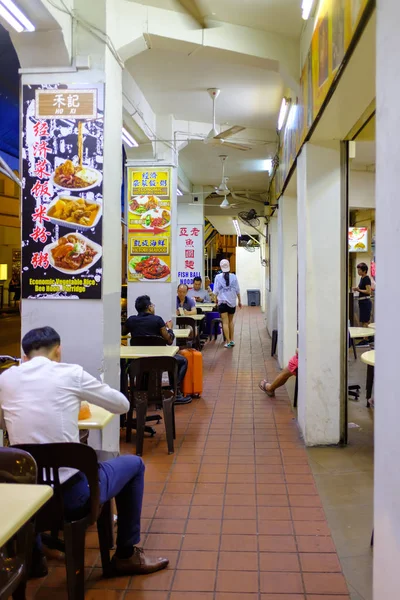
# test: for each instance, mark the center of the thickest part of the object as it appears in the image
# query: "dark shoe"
(181, 399)
(138, 563)
(38, 567)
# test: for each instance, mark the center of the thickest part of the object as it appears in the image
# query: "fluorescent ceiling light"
(306, 7)
(283, 112)
(126, 136)
(237, 227)
(268, 165)
(178, 192)
(12, 14)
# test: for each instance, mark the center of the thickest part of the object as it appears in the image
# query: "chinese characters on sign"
(62, 198)
(149, 224)
(190, 253)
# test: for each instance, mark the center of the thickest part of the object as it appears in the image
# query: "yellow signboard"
(149, 224)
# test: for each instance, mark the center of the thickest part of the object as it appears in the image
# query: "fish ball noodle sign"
(62, 196)
(149, 224)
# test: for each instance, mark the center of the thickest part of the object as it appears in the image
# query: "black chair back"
(148, 340)
(147, 374)
(50, 458)
(17, 466)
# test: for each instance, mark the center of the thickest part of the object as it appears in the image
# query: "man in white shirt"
(40, 402)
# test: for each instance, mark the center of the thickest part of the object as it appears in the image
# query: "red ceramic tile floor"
(235, 508)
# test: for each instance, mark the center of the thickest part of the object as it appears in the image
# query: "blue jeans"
(121, 478)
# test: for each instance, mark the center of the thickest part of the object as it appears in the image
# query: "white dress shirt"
(40, 400)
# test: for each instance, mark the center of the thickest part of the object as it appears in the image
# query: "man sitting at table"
(197, 293)
(185, 306)
(40, 402)
(145, 323)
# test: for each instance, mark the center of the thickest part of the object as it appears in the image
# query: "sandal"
(263, 386)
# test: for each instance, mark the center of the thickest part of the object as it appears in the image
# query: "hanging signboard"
(358, 239)
(190, 259)
(62, 196)
(149, 224)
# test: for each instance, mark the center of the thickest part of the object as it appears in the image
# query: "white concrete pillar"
(320, 267)
(90, 329)
(272, 282)
(287, 278)
(190, 211)
(387, 411)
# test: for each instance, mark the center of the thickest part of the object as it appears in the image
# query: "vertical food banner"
(190, 253)
(149, 224)
(62, 195)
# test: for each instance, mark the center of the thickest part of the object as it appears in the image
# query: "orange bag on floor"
(192, 384)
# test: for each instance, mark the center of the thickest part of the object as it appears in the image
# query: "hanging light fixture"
(283, 112)
(127, 137)
(306, 8)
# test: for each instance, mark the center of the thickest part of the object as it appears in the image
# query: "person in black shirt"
(364, 300)
(147, 323)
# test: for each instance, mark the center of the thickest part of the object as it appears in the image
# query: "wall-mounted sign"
(190, 260)
(66, 102)
(358, 239)
(62, 198)
(149, 224)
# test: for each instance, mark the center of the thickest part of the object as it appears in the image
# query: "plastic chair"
(16, 466)
(144, 340)
(147, 375)
(185, 323)
(49, 459)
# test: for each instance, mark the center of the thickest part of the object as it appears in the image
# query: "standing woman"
(364, 299)
(226, 288)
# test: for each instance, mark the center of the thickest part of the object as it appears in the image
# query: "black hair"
(142, 303)
(363, 267)
(42, 337)
(197, 279)
(226, 277)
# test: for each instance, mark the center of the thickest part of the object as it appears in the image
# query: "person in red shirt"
(281, 379)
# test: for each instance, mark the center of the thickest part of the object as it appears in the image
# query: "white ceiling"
(176, 82)
(365, 157)
(280, 16)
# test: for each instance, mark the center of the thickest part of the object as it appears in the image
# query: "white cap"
(225, 266)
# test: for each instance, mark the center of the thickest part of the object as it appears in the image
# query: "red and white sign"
(190, 261)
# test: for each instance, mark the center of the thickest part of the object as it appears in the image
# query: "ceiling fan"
(216, 138)
(193, 8)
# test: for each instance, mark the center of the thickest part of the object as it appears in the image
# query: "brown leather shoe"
(138, 563)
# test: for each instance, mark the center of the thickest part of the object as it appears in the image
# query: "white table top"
(182, 334)
(98, 420)
(361, 332)
(148, 351)
(368, 358)
(195, 317)
(205, 307)
(18, 504)
(372, 325)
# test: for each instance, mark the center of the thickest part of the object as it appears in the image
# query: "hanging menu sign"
(190, 253)
(62, 196)
(149, 224)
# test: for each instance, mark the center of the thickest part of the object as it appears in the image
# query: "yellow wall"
(10, 221)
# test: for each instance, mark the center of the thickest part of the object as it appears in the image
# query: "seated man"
(281, 379)
(184, 303)
(146, 322)
(197, 293)
(40, 401)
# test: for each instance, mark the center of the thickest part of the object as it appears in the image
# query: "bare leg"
(225, 327)
(279, 381)
(231, 327)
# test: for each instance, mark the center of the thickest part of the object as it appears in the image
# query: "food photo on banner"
(190, 253)
(149, 224)
(62, 195)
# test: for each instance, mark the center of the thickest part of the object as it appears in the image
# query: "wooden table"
(18, 504)
(369, 359)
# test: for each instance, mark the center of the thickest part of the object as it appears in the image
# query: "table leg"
(370, 383)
